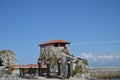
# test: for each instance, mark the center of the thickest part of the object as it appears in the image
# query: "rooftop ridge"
(54, 41)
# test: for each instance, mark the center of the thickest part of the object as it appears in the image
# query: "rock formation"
(8, 57)
(55, 50)
(58, 49)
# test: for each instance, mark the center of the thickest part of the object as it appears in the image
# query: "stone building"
(54, 50)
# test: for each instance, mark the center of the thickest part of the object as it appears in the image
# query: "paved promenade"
(37, 78)
(41, 78)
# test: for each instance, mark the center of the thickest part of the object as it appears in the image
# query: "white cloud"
(91, 43)
(85, 55)
(100, 56)
(107, 59)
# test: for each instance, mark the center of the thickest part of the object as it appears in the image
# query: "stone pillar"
(31, 70)
(34, 71)
(20, 72)
(23, 71)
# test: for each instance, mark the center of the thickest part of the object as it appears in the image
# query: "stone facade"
(59, 49)
(54, 52)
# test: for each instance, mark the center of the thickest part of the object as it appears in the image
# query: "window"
(56, 44)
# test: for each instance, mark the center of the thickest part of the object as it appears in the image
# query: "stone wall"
(80, 67)
(63, 53)
(54, 53)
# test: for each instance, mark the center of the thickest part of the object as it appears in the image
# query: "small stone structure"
(54, 50)
(59, 49)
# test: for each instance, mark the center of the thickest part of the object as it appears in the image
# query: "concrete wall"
(15, 71)
(109, 72)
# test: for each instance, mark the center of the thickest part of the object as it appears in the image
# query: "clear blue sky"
(92, 27)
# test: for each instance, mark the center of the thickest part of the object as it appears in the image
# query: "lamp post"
(48, 68)
(39, 67)
(68, 64)
(59, 70)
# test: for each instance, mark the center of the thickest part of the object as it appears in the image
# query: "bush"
(85, 62)
(74, 72)
(9, 72)
(77, 70)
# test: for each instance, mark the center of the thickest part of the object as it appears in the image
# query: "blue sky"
(92, 27)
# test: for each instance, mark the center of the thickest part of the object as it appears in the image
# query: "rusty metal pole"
(59, 70)
(69, 71)
(39, 67)
(48, 69)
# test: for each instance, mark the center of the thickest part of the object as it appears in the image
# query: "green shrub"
(77, 70)
(9, 72)
(74, 72)
(85, 62)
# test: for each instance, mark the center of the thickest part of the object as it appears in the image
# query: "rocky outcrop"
(58, 50)
(80, 69)
(8, 57)
(78, 65)
(55, 53)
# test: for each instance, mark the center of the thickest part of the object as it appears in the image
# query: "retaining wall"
(109, 72)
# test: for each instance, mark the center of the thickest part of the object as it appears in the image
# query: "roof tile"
(54, 41)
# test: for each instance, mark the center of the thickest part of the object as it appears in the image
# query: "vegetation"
(54, 59)
(9, 72)
(76, 62)
(6, 51)
(7, 56)
(42, 56)
(78, 69)
(85, 62)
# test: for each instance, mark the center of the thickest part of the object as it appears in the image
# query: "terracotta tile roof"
(28, 66)
(25, 66)
(15, 66)
(54, 41)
